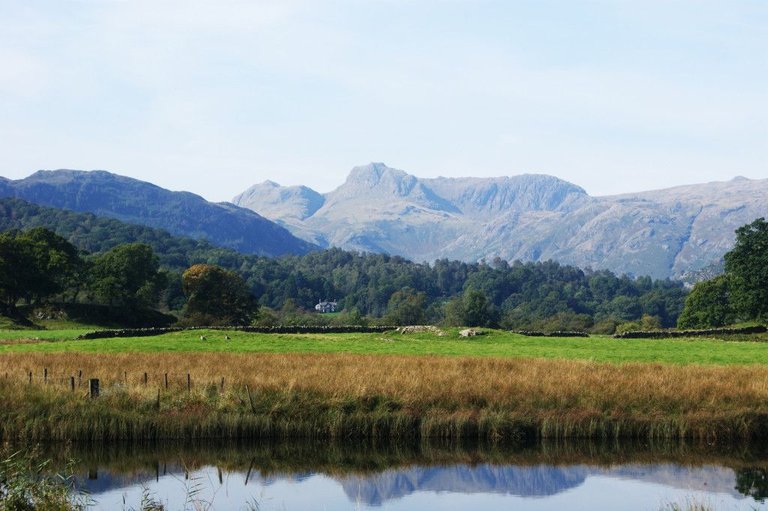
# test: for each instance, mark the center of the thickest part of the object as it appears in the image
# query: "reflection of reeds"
(690, 504)
(369, 457)
(342, 396)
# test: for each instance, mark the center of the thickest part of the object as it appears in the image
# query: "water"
(301, 476)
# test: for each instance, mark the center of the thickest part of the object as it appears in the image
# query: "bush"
(604, 327)
(24, 485)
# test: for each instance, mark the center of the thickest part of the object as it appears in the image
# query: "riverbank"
(344, 396)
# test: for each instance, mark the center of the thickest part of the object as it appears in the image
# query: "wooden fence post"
(166, 381)
(189, 383)
(145, 379)
(72, 383)
(94, 387)
(45, 375)
(250, 399)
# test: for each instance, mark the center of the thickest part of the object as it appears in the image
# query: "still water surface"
(333, 477)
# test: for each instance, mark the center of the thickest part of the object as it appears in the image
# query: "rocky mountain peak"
(379, 178)
(375, 185)
(280, 202)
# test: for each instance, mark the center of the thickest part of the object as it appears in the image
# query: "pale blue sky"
(212, 96)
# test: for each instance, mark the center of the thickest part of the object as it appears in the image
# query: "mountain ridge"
(181, 213)
(668, 232)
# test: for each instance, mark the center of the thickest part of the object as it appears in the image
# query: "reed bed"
(359, 396)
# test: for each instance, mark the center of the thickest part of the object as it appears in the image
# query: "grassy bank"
(723, 350)
(375, 396)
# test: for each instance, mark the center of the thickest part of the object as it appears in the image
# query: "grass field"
(495, 344)
(498, 386)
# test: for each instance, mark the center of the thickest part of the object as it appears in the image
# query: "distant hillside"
(94, 234)
(664, 233)
(138, 202)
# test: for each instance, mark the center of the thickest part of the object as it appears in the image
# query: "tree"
(35, 265)
(453, 312)
(747, 264)
(478, 310)
(406, 307)
(708, 304)
(128, 275)
(753, 482)
(55, 263)
(216, 296)
(14, 271)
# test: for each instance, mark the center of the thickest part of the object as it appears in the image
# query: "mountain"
(527, 481)
(291, 205)
(532, 217)
(180, 213)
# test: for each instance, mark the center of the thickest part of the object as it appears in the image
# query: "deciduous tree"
(708, 305)
(216, 296)
(747, 264)
(128, 275)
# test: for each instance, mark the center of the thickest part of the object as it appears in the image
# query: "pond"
(322, 475)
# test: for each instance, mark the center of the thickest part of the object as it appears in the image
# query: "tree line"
(38, 267)
(740, 294)
(96, 260)
(534, 295)
(368, 287)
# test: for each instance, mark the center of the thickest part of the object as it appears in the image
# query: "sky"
(212, 96)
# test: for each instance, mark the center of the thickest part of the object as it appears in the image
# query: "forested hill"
(516, 295)
(138, 202)
(94, 234)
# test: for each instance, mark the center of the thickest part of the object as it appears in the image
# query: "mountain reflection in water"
(367, 476)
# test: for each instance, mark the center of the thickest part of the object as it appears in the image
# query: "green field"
(495, 344)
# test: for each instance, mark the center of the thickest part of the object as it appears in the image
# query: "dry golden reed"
(337, 395)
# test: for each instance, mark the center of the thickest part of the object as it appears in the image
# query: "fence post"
(166, 381)
(72, 383)
(94, 387)
(222, 384)
(79, 377)
(145, 379)
(30, 377)
(250, 399)
(189, 383)
(45, 375)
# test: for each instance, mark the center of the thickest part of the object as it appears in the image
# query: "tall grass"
(26, 483)
(343, 396)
